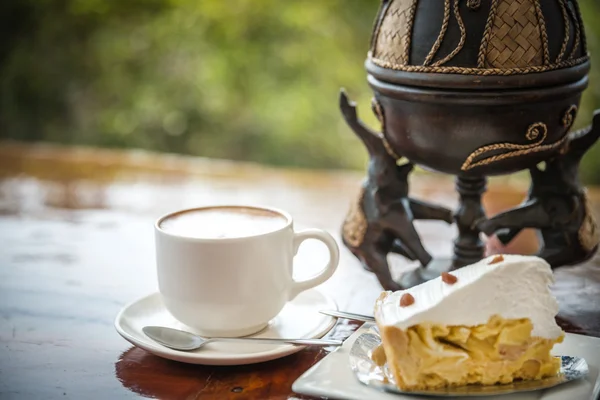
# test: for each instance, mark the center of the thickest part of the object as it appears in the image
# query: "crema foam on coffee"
(223, 222)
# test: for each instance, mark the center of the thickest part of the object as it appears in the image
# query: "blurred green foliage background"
(254, 80)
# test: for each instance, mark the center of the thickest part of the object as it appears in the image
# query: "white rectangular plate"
(332, 376)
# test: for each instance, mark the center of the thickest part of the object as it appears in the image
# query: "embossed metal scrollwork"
(474, 4)
(569, 116)
(537, 131)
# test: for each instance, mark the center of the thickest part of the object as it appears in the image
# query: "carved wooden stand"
(380, 221)
(468, 247)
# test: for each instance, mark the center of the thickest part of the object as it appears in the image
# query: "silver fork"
(347, 315)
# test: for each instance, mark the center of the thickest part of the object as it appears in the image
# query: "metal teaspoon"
(186, 341)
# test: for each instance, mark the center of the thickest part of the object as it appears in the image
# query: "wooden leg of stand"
(468, 247)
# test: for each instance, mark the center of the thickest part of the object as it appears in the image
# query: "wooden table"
(77, 244)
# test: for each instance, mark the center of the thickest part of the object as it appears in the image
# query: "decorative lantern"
(473, 88)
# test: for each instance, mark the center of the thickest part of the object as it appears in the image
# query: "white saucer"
(299, 319)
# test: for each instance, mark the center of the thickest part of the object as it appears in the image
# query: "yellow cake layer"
(500, 351)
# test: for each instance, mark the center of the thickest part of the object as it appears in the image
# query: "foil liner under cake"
(378, 377)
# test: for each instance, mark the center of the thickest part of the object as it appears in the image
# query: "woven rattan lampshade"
(478, 37)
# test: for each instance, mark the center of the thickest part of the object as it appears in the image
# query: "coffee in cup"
(228, 270)
(223, 222)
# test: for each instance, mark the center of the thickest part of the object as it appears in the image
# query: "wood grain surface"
(76, 245)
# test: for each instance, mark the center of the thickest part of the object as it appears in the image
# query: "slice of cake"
(487, 323)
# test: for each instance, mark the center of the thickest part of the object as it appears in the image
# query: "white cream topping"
(517, 287)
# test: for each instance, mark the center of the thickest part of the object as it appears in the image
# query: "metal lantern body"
(477, 87)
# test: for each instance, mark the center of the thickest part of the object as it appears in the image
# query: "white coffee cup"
(227, 276)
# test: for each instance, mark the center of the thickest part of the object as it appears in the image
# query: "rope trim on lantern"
(411, 23)
(577, 33)
(478, 71)
(463, 37)
(474, 4)
(543, 32)
(487, 34)
(569, 116)
(533, 132)
(580, 23)
(444, 28)
(563, 49)
(388, 148)
(380, 116)
(377, 111)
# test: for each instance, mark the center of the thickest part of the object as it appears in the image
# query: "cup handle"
(327, 272)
